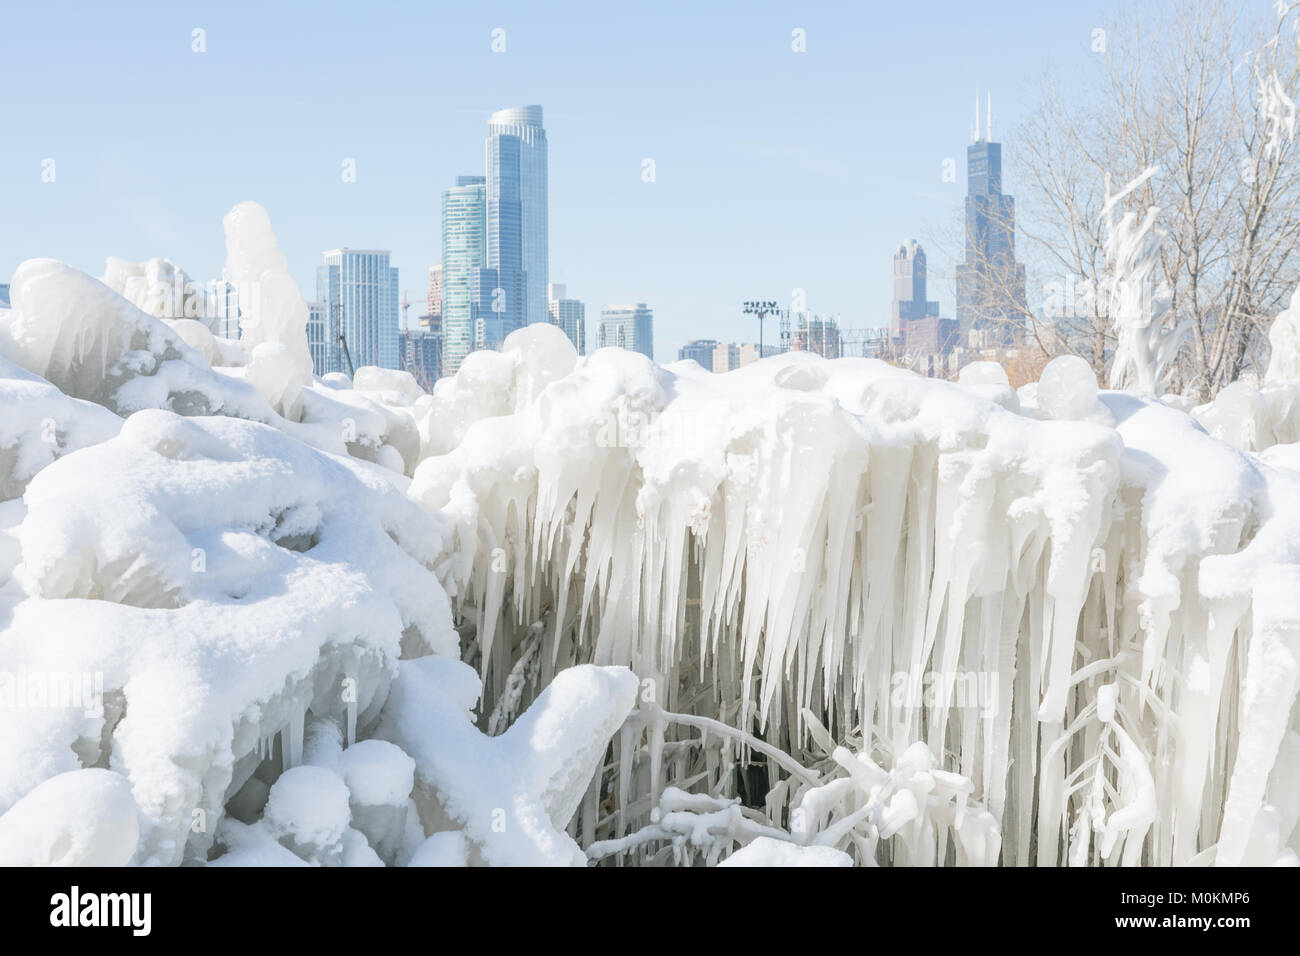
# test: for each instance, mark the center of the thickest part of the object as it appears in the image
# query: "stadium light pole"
(761, 309)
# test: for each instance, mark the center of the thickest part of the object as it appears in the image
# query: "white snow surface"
(249, 617)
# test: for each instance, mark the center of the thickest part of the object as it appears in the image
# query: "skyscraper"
(909, 287)
(915, 325)
(358, 288)
(570, 315)
(990, 283)
(422, 351)
(463, 257)
(516, 231)
(627, 327)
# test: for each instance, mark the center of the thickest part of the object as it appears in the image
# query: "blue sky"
(775, 170)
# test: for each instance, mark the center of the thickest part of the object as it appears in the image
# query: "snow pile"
(79, 818)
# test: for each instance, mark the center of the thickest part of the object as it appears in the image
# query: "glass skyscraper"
(990, 283)
(516, 228)
(464, 252)
(358, 288)
(627, 327)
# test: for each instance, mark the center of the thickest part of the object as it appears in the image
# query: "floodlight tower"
(761, 309)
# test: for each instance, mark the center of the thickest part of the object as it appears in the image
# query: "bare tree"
(1192, 89)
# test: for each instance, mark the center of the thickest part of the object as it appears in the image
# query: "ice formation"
(273, 316)
(570, 610)
(1137, 305)
(1284, 342)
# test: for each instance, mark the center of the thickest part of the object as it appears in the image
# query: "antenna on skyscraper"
(988, 118)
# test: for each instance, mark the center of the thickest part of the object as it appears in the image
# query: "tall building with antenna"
(991, 303)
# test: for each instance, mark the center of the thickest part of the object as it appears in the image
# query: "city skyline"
(807, 126)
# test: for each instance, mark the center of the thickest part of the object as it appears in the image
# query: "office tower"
(627, 327)
(990, 283)
(909, 287)
(726, 356)
(422, 351)
(517, 232)
(433, 299)
(317, 336)
(358, 288)
(570, 315)
(463, 257)
(915, 324)
(700, 351)
(4, 296)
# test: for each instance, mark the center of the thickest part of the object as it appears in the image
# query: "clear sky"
(774, 170)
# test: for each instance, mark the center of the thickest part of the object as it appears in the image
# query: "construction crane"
(406, 309)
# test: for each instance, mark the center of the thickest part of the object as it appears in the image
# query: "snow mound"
(766, 851)
(79, 818)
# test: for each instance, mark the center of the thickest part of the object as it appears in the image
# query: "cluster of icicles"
(897, 560)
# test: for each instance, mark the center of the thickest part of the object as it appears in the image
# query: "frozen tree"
(1207, 95)
(1137, 306)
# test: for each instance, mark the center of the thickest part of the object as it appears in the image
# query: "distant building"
(358, 288)
(569, 314)
(909, 287)
(517, 230)
(317, 336)
(4, 296)
(990, 283)
(723, 356)
(726, 356)
(463, 254)
(818, 335)
(433, 298)
(699, 351)
(627, 327)
(915, 324)
(747, 352)
(422, 351)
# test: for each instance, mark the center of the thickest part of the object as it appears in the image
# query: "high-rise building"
(909, 287)
(627, 327)
(464, 251)
(990, 283)
(358, 288)
(433, 299)
(915, 325)
(699, 351)
(570, 315)
(422, 351)
(4, 296)
(317, 336)
(516, 262)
